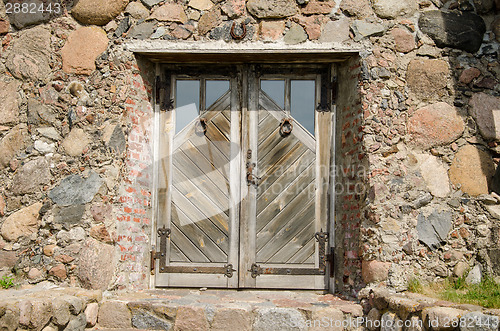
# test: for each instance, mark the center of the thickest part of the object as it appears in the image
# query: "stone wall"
(417, 136)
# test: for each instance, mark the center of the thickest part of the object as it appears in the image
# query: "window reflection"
(214, 90)
(187, 101)
(274, 89)
(303, 100)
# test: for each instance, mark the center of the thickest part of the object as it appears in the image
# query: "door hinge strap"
(227, 270)
(322, 238)
(163, 234)
(162, 94)
(257, 270)
(330, 258)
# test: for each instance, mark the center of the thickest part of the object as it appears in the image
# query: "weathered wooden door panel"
(199, 207)
(244, 200)
(283, 211)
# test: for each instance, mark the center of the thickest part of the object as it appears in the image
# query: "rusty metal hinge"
(164, 234)
(322, 238)
(334, 89)
(163, 95)
(330, 258)
(328, 96)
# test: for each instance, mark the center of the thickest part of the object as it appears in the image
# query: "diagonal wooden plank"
(267, 144)
(190, 129)
(296, 171)
(303, 185)
(281, 149)
(291, 231)
(176, 254)
(298, 131)
(210, 141)
(189, 214)
(194, 232)
(206, 168)
(270, 226)
(193, 253)
(305, 254)
(267, 103)
(267, 127)
(263, 114)
(200, 207)
(224, 102)
(294, 240)
(223, 124)
(213, 154)
(217, 138)
(295, 154)
(197, 184)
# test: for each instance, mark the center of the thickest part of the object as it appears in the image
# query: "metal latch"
(251, 178)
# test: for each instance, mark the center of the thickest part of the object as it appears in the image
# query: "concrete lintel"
(220, 51)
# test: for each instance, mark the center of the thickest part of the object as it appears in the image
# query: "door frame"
(241, 100)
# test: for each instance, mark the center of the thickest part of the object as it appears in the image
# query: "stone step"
(49, 308)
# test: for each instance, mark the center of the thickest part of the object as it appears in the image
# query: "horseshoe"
(239, 36)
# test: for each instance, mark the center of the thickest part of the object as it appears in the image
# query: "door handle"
(251, 178)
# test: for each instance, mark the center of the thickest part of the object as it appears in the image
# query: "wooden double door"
(243, 178)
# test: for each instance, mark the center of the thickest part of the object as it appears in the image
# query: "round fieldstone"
(495, 27)
(374, 271)
(468, 75)
(31, 176)
(12, 143)
(84, 45)
(434, 125)
(272, 8)
(485, 109)
(448, 29)
(404, 40)
(356, 8)
(137, 10)
(170, 12)
(96, 11)
(9, 102)
(30, 55)
(472, 169)
(97, 266)
(295, 35)
(22, 223)
(76, 142)
(392, 9)
(427, 78)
